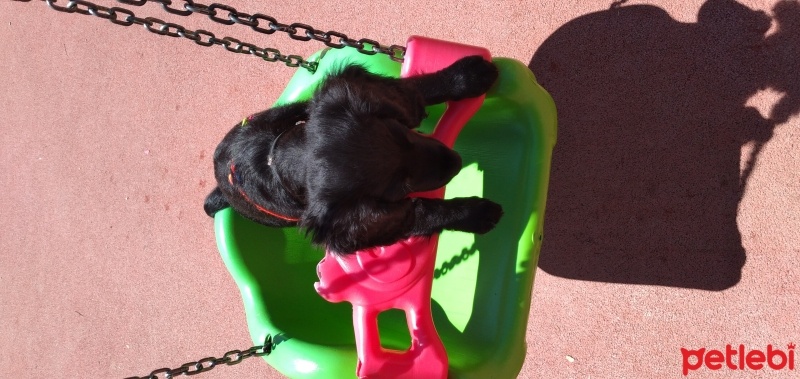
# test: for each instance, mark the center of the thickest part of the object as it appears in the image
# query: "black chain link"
(125, 17)
(230, 358)
(228, 15)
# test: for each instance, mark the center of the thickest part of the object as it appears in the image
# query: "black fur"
(344, 172)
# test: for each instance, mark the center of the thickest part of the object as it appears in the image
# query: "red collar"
(261, 209)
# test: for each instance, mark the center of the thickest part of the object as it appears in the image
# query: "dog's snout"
(434, 165)
(452, 163)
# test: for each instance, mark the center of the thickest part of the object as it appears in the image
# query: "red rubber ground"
(109, 266)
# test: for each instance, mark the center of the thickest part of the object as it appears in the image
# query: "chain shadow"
(646, 178)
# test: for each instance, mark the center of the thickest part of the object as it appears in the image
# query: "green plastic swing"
(482, 284)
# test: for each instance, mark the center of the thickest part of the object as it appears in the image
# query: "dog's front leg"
(466, 214)
(468, 77)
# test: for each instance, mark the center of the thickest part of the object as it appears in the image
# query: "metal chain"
(125, 17)
(297, 31)
(230, 358)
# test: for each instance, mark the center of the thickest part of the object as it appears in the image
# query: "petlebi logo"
(739, 358)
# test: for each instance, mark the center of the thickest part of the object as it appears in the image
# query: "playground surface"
(673, 216)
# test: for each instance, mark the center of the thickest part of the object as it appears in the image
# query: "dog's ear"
(215, 202)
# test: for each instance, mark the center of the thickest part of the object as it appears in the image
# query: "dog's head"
(376, 158)
(361, 130)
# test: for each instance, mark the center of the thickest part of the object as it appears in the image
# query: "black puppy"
(342, 164)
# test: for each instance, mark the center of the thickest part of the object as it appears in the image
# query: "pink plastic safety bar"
(400, 276)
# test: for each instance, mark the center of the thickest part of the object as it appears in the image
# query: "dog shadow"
(653, 119)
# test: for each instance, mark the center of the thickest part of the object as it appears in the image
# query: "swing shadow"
(646, 179)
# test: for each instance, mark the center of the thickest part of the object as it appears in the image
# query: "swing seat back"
(482, 284)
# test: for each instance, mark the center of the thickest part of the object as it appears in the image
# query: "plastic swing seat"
(482, 284)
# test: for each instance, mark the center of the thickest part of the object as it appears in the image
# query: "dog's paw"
(472, 76)
(480, 215)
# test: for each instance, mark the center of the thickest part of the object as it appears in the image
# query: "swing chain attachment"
(230, 358)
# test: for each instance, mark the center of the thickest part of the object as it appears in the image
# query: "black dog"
(342, 164)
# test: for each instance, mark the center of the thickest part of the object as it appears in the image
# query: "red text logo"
(738, 358)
